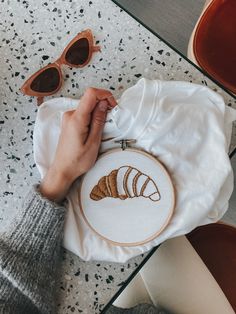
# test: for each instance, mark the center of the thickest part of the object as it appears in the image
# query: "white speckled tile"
(34, 33)
(88, 286)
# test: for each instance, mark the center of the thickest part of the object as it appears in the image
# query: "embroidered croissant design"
(125, 182)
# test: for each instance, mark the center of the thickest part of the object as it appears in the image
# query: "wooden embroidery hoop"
(125, 146)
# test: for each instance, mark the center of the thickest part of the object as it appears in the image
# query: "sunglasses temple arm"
(96, 48)
(40, 100)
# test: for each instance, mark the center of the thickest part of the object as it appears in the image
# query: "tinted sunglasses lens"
(47, 81)
(78, 53)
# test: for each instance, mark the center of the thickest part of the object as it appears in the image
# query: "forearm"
(30, 252)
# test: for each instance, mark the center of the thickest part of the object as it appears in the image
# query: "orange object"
(216, 245)
(214, 42)
(48, 80)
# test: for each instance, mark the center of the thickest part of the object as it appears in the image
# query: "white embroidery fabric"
(187, 126)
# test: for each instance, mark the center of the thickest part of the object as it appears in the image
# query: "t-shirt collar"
(134, 111)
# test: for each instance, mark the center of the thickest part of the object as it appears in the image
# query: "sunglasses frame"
(26, 87)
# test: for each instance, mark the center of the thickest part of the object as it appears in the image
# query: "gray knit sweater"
(30, 257)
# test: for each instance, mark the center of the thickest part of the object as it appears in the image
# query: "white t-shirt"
(187, 126)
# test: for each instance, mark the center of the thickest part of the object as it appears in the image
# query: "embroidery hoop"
(124, 145)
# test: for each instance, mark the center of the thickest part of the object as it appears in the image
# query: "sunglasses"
(48, 80)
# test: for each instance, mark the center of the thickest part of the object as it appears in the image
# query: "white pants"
(176, 279)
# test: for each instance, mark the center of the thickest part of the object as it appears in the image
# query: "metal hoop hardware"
(125, 143)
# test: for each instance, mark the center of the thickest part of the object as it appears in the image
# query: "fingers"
(103, 94)
(97, 123)
(111, 100)
(89, 101)
(66, 117)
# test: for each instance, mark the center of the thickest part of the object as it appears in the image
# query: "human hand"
(78, 143)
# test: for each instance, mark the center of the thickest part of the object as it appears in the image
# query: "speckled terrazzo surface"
(34, 33)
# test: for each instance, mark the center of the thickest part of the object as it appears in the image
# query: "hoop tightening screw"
(125, 143)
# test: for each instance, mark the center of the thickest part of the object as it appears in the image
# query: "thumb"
(98, 121)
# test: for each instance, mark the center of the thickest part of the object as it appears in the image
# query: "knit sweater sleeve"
(29, 257)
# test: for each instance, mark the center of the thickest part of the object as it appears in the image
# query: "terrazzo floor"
(34, 33)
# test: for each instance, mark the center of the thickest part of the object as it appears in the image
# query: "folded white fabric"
(187, 126)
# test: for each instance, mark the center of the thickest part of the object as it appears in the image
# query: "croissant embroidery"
(125, 182)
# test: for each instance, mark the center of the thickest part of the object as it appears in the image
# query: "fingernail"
(103, 105)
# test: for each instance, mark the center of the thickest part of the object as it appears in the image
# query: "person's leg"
(177, 279)
(135, 293)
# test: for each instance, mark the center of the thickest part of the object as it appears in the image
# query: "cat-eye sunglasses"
(48, 80)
